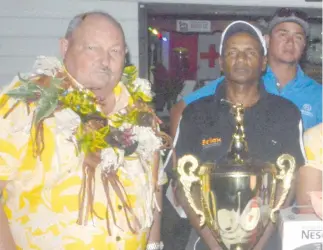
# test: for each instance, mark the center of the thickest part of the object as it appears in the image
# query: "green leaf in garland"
(23, 92)
(46, 107)
(24, 80)
(140, 95)
(49, 100)
(129, 76)
(54, 88)
(28, 90)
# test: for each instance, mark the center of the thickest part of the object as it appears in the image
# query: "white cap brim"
(242, 26)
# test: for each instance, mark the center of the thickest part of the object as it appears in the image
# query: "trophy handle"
(187, 177)
(207, 196)
(286, 177)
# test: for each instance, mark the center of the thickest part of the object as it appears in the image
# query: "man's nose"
(106, 59)
(241, 56)
(290, 39)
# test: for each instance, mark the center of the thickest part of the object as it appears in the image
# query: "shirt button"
(119, 207)
(118, 238)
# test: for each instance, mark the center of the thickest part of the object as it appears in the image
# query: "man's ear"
(221, 63)
(63, 46)
(264, 63)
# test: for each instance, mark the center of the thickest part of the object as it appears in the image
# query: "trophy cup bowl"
(238, 196)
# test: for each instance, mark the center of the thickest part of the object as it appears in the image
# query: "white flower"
(144, 86)
(47, 65)
(110, 160)
(67, 121)
(125, 126)
(148, 142)
(123, 111)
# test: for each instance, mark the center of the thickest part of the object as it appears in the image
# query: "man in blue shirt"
(286, 39)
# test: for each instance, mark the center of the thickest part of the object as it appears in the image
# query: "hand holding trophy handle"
(187, 169)
(286, 177)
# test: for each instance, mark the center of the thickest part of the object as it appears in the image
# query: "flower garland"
(132, 130)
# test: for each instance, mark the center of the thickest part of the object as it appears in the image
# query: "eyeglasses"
(287, 12)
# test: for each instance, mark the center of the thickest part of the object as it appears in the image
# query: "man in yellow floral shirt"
(72, 179)
(309, 179)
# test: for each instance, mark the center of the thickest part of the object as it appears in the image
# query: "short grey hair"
(78, 19)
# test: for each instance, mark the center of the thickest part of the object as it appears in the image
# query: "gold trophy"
(238, 196)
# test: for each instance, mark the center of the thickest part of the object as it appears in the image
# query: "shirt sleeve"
(14, 136)
(207, 90)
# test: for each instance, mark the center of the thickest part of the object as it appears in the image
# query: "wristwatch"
(155, 246)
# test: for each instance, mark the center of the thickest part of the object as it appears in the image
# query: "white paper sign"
(193, 26)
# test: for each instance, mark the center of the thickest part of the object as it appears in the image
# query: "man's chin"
(102, 93)
(289, 60)
(242, 79)
(98, 92)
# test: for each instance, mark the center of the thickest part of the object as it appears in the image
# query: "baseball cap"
(289, 15)
(242, 26)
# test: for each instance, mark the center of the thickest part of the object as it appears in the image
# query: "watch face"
(250, 216)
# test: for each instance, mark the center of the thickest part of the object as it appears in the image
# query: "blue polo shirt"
(303, 91)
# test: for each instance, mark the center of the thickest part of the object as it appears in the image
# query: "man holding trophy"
(237, 150)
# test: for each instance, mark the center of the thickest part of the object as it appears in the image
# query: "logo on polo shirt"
(307, 109)
(212, 141)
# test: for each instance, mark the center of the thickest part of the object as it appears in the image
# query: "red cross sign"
(212, 55)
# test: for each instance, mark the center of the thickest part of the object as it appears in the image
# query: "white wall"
(33, 27)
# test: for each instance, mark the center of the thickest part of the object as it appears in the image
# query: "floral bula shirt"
(41, 199)
(313, 139)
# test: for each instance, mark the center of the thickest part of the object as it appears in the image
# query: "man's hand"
(309, 180)
(205, 232)
(154, 235)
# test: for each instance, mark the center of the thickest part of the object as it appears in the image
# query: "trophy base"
(236, 247)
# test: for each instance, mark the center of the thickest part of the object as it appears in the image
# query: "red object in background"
(212, 55)
(189, 42)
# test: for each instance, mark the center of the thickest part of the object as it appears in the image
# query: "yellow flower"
(81, 102)
(93, 140)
